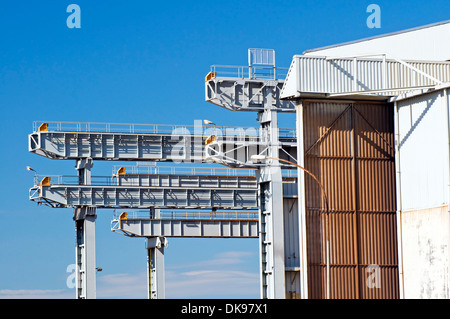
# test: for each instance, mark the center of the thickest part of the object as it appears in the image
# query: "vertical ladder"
(84, 218)
(155, 267)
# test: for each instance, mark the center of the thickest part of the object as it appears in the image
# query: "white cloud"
(212, 284)
(220, 277)
(111, 286)
(123, 286)
(234, 258)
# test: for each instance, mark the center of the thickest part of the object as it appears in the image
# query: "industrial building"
(352, 203)
(399, 142)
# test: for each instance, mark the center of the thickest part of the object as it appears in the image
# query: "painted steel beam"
(84, 217)
(108, 146)
(156, 191)
(241, 94)
(143, 197)
(72, 196)
(272, 246)
(85, 253)
(155, 267)
(187, 181)
(212, 228)
(278, 255)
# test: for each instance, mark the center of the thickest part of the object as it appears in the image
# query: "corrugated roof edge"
(416, 93)
(367, 57)
(378, 36)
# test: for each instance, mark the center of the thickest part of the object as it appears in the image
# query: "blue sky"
(142, 62)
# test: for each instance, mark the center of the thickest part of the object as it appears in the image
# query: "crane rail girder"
(156, 147)
(143, 197)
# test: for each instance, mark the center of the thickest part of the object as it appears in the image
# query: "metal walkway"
(135, 192)
(271, 191)
(212, 224)
(240, 88)
(257, 88)
(156, 143)
(151, 190)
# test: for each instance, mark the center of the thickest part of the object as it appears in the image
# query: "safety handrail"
(180, 170)
(191, 215)
(250, 72)
(168, 129)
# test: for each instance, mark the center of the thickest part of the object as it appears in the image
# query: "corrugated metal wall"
(350, 148)
(322, 75)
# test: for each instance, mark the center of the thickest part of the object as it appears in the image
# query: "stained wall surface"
(423, 184)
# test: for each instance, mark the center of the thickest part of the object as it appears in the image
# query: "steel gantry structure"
(258, 89)
(347, 139)
(272, 193)
(85, 143)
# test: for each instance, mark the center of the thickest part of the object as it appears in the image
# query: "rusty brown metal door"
(349, 147)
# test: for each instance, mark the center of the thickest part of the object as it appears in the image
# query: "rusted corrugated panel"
(343, 278)
(376, 199)
(349, 148)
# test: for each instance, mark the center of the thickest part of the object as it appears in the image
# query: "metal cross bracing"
(152, 143)
(143, 191)
(85, 193)
(157, 225)
(274, 194)
(150, 190)
(236, 89)
(194, 223)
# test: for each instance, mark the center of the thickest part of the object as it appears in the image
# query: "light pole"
(208, 122)
(212, 137)
(258, 158)
(35, 174)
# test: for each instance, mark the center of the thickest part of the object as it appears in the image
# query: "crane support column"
(271, 209)
(84, 218)
(155, 266)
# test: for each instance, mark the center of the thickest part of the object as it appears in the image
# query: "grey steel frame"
(85, 145)
(276, 248)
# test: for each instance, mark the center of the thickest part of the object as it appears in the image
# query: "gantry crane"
(88, 142)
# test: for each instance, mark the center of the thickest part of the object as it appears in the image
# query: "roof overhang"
(332, 96)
